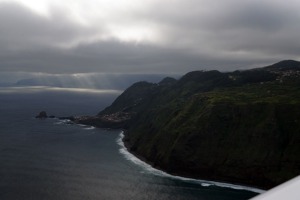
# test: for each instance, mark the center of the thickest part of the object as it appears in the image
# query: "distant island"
(239, 127)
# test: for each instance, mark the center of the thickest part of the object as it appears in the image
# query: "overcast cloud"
(150, 36)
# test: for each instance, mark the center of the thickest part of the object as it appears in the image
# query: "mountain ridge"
(239, 127)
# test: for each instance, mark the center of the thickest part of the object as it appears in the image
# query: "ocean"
(53, 159)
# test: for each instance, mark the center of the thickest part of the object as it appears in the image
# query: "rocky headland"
(239, 127)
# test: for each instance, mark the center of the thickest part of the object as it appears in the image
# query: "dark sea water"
(53, 160)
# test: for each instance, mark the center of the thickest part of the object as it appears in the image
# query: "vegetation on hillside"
(241, 127)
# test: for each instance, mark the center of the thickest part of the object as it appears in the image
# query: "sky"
(148, 36)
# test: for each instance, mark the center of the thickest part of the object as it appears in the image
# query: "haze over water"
(51, 159)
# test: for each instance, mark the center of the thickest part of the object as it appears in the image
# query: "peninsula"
(239, 127)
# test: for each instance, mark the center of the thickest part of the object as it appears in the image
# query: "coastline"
(147, 165)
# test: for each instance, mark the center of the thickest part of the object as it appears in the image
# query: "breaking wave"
(128, 156)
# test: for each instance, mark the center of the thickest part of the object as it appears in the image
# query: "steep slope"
(217, 136)
(241, 127)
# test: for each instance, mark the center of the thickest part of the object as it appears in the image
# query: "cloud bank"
(171, 36)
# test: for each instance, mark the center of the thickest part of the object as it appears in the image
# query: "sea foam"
(204, 183)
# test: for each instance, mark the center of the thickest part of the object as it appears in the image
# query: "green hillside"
(239, 127)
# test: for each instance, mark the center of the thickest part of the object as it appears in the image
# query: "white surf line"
(128, 156)
(86, 127)
(62, 121)
(69, 122)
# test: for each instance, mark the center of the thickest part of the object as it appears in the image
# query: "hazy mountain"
(96, 81)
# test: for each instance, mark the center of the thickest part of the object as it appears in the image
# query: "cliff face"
(241, 127)
(253, 144)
